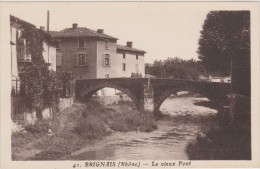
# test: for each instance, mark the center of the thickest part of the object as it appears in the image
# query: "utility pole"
(48, 21)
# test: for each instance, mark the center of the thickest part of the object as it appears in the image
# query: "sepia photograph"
(131, 84)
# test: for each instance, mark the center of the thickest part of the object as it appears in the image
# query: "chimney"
(42, 28)
(74, 25)
(100, 31)
(129, 44)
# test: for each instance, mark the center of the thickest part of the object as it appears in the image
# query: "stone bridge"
(139, 89)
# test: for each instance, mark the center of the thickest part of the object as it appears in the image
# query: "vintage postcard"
(129, 84)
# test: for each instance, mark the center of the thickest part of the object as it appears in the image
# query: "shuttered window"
(124, 67)
(80, 59)
(106, 60)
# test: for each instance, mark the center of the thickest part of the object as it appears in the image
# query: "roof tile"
(129, 49)
(81, 32)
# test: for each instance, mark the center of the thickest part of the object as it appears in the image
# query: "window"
(58, 45)
(81, 43)
(106, 60)
(106, 44)
(80, 59)
(124, 67)
(106, 75)
(123, 55)
(136, 57)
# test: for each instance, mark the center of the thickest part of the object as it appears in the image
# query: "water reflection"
(181, 122)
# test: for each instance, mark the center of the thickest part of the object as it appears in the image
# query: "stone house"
(89, 54)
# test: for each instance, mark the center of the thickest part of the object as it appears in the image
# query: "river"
(182, 122)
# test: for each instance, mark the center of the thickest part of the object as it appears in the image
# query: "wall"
(69, 48)
(103, 70)
(131, 62)
(49, 55)
(14, 53)
(65, 103)
(14, 64)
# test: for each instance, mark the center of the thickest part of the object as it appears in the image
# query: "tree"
(39, 86)
(225, 34)
(176, 68)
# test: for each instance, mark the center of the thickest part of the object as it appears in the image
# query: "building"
(129, 60)
(20, 53)
(21, 57)
(89, 54)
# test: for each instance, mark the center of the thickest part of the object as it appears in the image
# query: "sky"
(163, 30)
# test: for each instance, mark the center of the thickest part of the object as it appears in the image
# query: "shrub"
(91, 127)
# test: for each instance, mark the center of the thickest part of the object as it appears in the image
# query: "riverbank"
(182, 119)
(70, 131)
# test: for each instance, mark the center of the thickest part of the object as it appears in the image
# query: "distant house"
(130, 59)
(89, 54)
(220, 79)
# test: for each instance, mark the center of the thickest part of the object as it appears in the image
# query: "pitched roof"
(81, 32)
(19, 21)
(24, 24)
(129, 49)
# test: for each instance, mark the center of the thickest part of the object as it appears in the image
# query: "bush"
(91, 127)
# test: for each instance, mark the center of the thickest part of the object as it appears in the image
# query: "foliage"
(66, 80)
(41, 86)
(176, 68)
(225, 34)
(136, 75)
(91, 127)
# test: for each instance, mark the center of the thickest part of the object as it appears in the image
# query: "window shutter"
(86, 59)
(75, 60)
(109, 60)
(103, 59)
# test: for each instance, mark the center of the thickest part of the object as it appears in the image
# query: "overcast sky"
(161, 29)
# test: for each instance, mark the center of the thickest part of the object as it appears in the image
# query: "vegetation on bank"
(100, 121)
(222, 141)
(75, 128)
(221, 144)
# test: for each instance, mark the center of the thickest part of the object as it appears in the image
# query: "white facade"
(14, 71)
(49, 55)
(133, 64)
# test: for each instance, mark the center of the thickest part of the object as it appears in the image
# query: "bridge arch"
(87, 92)
(163, 88)
(159, 98)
